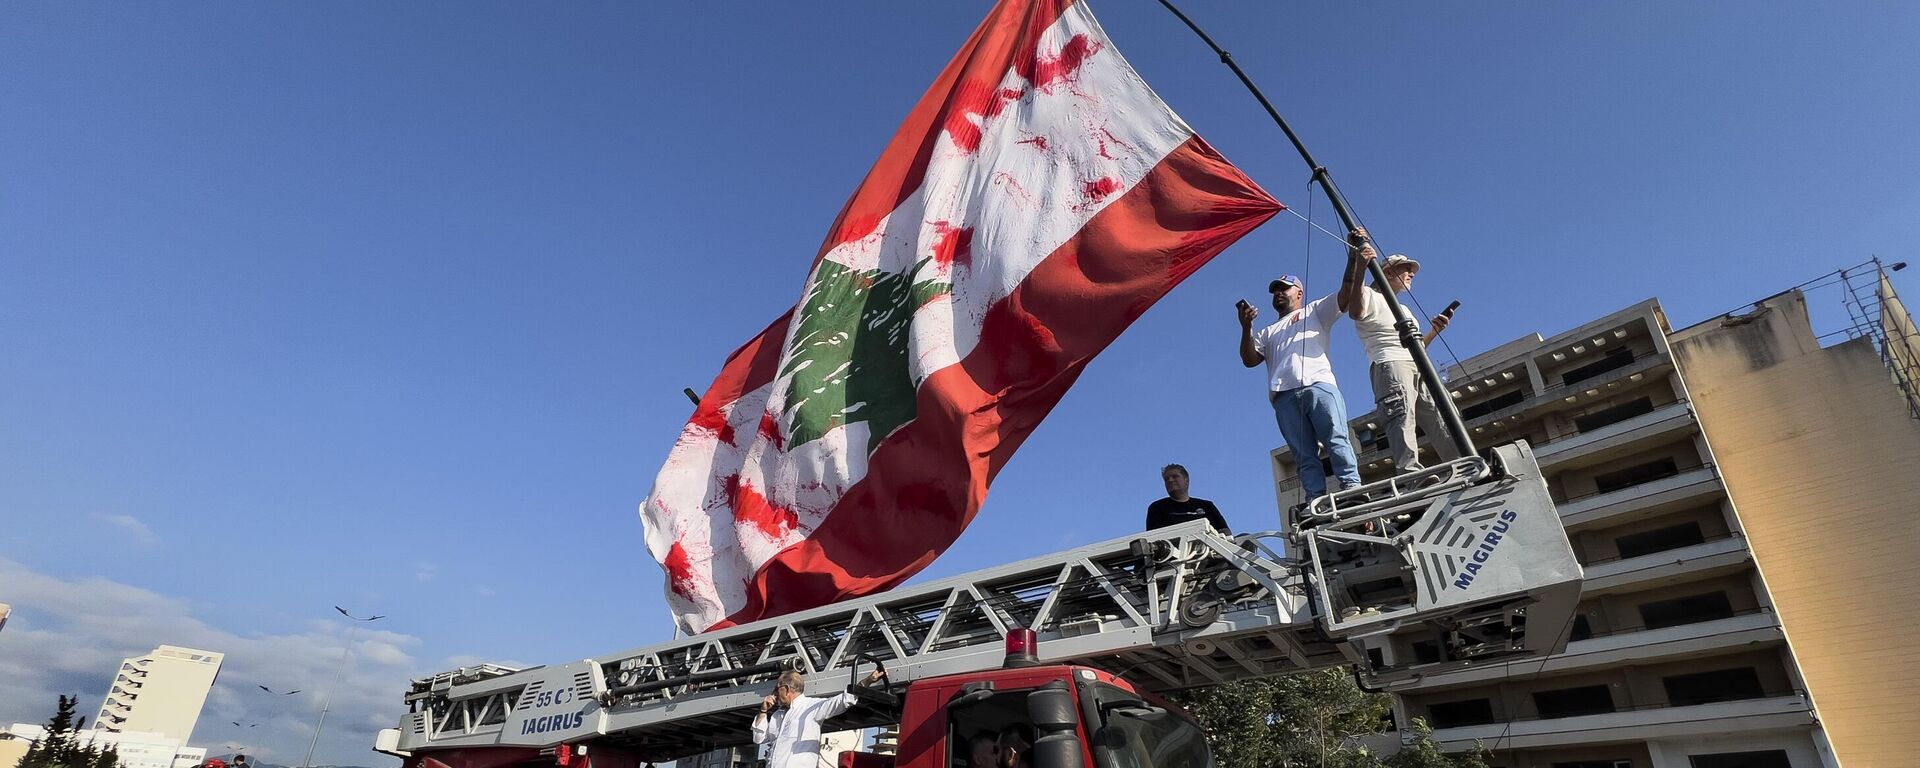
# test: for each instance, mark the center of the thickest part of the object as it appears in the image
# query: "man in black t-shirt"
(1178, 507)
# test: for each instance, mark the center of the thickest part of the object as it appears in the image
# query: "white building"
(137, 749)
(160, 693)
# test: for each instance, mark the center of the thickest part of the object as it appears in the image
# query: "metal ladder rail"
(1100, 600)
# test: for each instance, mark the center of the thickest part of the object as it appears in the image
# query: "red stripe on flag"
(926, 481)
(747, 369)
(1005, 41)
(966, 92)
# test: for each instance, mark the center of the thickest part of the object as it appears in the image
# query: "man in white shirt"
(1402, 400)
(1300, 386)
(791, 720)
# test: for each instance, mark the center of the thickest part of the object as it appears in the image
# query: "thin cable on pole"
(1565, 629)
(1441, 339)
(1308, 255)
(1330, 233)
(1429, 374)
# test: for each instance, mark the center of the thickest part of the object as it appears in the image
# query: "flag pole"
(1409, 332)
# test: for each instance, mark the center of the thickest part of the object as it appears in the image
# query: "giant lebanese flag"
(1037, 200)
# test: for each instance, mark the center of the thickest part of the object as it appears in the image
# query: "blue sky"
(389, 306)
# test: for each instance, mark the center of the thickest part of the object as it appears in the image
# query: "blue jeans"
(1311, 417)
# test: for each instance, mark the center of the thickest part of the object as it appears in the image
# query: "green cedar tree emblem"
(849, 353)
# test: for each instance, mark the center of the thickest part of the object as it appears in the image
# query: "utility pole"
(338, 671)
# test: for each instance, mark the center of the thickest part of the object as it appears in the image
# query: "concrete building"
(137, 749)
(161, 692)
(12, 747)
(1745, 503)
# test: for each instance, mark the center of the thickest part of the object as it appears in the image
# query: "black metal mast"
(1409, 331)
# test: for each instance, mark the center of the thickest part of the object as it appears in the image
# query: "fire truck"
(1457, 565)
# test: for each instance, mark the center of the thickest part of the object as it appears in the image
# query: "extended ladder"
(1173, 608)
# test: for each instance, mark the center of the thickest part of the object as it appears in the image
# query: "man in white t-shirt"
(1402, 399)
(791, 720)
(1306, 400)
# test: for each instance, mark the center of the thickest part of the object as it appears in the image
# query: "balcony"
(1649, 498)
(1646, 366)
(1488, 428)
(1786, 709)
(1616, 439)
(1690, 563)
(1624, 646)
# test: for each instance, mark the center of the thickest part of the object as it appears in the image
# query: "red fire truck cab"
(1071, 716)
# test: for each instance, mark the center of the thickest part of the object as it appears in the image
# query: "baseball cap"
(1399, 260)
(1283, 280)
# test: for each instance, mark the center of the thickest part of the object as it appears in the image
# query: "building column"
(1664, 755)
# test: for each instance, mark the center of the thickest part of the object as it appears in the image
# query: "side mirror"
(1056, 719)
(971, 694)
(1051, 710)
(970, 698)
(1148, 713)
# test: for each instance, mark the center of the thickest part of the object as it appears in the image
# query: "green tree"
(1309, 720)
(61, 748)
(1423, 753)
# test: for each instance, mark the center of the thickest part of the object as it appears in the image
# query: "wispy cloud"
(424, 571)
(131, 528)
(68, 636)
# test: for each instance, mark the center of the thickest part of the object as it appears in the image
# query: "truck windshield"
(1142, 738)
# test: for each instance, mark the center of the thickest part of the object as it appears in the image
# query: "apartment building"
(1743, 502)
(134, 749)
(161, 692)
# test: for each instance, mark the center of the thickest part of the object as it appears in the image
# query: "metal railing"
(1764, 693)
(1892, 333)
(1703, 540)
(1678, 470)
(1628, 629)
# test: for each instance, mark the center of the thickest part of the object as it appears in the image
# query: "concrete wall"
(1819, 456)
(161, 692)
(12, 749)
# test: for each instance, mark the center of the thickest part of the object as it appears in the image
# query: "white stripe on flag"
(1047, 163)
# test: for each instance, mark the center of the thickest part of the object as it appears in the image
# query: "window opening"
(1572, 702)
(1708, 687)
(1457, 713)
(1774, 758)
(1507, 400)
(1619, 358)
(1609, 482)
(1613, 414)
(1685, 534)
(1691, 609)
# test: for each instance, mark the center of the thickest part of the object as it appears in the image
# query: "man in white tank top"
(1402, 399)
